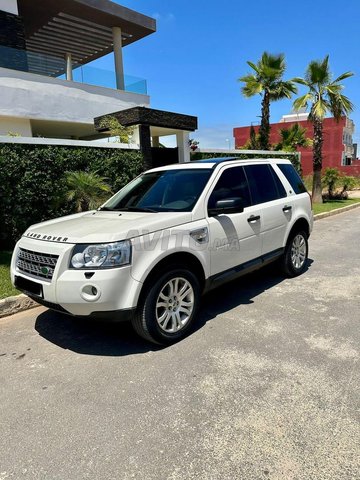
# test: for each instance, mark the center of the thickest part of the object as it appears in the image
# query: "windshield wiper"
(137, 209)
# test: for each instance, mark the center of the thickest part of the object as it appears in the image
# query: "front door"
(234, 238)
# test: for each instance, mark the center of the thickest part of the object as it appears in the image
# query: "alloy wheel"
(175, 305)
(298, 251)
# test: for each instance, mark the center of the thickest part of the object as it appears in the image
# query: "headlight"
(107, 255)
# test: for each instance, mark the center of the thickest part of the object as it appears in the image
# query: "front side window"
(263, 185)
(231, 184)
(165, 191)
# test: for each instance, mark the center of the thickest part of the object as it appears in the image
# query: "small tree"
(121, 133)
(348, 183)
(87, 190)
(330, 180)
(292, 138)
(253, 143)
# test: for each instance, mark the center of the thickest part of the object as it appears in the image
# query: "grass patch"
(6, 289)
(333, 205)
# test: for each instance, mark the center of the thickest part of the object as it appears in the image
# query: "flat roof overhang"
(83, 28)
(153, 118)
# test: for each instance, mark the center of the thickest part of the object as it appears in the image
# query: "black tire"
(291, 263)
(145, 321)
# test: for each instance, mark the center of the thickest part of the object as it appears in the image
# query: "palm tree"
(267, 81)
(88, 190)
(324, 97)
(292, 138)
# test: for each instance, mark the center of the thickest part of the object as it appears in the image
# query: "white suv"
(173, 233)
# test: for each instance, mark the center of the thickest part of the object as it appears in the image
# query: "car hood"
(102, 227)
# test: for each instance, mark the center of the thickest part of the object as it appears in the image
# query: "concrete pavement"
(267, 387)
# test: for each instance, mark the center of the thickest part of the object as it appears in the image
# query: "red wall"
(332, 146)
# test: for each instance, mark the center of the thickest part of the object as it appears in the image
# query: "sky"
(201, 47)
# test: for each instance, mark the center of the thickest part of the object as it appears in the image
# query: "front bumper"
(78, 292)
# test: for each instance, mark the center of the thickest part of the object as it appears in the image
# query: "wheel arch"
(182, 259)
(301, 224)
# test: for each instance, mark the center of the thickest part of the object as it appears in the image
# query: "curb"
(11, 305)
(319, 216)
(19, 303)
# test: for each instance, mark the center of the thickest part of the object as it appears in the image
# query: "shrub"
(86, 189)
(33, 181)
(348, 183)
(330, 180)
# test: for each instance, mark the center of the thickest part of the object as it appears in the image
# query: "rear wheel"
(295, 257)
(168, 307)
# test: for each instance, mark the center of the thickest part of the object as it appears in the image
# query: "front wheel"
(168, 306)
(295, 257)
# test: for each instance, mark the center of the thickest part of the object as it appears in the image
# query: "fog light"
(90, 293)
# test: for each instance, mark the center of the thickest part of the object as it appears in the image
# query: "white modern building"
(47, 88)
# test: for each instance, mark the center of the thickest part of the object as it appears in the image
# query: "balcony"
(37, 100)
(56, 67)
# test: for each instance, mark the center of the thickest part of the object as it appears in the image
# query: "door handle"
(253, 218)
(287, 208)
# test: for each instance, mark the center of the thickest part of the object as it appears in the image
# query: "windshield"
(167, 191)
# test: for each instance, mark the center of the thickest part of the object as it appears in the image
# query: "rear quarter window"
(292, 177)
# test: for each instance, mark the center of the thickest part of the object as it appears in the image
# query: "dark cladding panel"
(154, 118)
(12, 42)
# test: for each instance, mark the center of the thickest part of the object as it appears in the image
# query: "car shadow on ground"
(90, 337)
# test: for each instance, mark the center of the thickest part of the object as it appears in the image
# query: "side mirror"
(226, 206)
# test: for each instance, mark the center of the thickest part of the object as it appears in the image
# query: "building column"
(156, 142)
(182, 139)
(145, 145)
(118, 57)
(69, 72)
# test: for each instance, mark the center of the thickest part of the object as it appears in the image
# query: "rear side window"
(292, 177)
(263, 184)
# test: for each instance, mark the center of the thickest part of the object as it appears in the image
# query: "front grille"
(41, 265)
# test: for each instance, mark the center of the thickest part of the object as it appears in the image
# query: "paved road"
(266, 388)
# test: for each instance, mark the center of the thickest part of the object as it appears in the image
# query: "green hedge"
(293, 157)
(32, 180)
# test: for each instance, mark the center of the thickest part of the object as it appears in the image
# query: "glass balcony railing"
(107, 78)
(51, 66)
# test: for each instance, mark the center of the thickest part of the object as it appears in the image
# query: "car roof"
(213, 162)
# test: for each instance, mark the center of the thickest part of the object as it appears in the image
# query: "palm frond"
(301, 81)
(283, 89)
(343, 76)
(253, 66)
(252, 86)
(320, 108)
(333, 88)
(303, 101)
(273, 62)
(318, 72)
(340, 105)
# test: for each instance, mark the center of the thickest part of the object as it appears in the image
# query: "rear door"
(268, 193)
